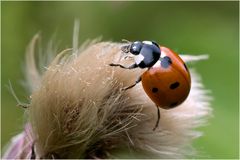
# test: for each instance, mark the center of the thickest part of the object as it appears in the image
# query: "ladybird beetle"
(166, 81)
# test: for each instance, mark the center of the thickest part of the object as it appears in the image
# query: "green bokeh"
(188, 27)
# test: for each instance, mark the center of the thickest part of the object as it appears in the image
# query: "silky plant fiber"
(78, 110)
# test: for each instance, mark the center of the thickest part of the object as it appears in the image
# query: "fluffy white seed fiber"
(78, 110)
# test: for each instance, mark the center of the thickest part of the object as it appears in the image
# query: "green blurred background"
(188, 27)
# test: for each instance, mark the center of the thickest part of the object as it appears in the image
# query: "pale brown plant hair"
(78, 109)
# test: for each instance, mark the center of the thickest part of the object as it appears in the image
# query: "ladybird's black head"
(136, 47)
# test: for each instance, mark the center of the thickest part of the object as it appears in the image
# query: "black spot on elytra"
(154, 90)
(173, 104)
(185, 67)
(174, 85)
(166, 62)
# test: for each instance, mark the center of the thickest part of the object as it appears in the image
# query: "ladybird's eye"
(136, 47)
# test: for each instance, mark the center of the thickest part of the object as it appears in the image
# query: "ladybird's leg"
(137, 81)
(158, 118)
(125, 67)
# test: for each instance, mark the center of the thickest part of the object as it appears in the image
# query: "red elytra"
(168, 82)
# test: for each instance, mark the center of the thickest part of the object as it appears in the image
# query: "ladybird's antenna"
(127, 41)
(126, 48)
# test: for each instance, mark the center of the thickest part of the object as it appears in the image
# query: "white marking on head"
(134, 47)
(148, 42)
(138, 59)
(136, 42)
